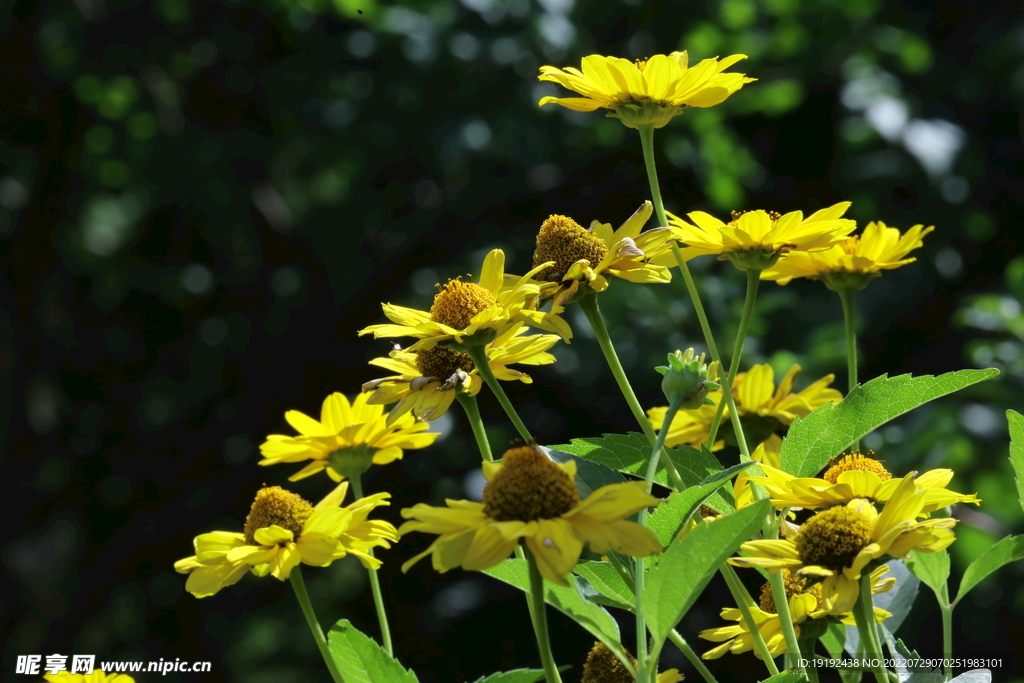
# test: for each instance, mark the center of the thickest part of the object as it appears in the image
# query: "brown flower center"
(457, 302)
(564, 241)
(602, 666)
(529, 486)
(795, 585)
(855, 461)
(442, 362)
(276, 507)
(832, 538)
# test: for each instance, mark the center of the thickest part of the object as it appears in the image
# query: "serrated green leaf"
(932, 568)
(670, 515)
(900, 651)
(590, 475)
(686, 567)
(566, 599)
(361, 659)
(603, 578)
(785, 677)
(1016, 421)
(898, 600)
(974, 676)
(515, 676)
(1009, 549)
(831, 429)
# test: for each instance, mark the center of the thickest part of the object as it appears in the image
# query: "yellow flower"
(578, 256)
(602, 666)
(804, 603)
(835, 545)
(855, 476)
(283, 530)
(765, 407)
(466, 311)
(532, 498)
(878, 248)
(97, 676)
(648, 91)
(344, 426)
(756, 239)
(427, 380)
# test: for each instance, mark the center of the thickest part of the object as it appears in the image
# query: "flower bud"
(688, 379)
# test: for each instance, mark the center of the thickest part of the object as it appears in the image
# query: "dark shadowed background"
(200, 204)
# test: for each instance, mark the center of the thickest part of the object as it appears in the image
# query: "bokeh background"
(200, 203)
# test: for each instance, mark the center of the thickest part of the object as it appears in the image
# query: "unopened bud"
(688, 380)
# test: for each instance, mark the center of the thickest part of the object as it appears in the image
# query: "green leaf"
(515, 676)
(1009, 549)
(833, 640)
(831, 429)
(590, 475)
(899, 601)
(900, 651)
(361, 659)
(686, 567)
(1016, 421)
(603, 578)
(974, 676)
(680, 506)
(932, 568)
(567, 599)
(784, 677)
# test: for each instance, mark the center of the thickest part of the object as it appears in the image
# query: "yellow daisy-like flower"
(804, 603)
(471, 312)
(765, 407)
(97, 676)
(427, 380)
(532, 498)
(357, 428)
(281, 531)
(602, 666)
(852, 477)
(578, 256)
(835, 545)
(855, 260)
(645, 92)
(756, 239)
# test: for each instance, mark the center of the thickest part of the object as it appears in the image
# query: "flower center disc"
(528, 487)
(833, 538)
(442, 362)
(602, 666)
(855, 461)
(275, 506)
(564, 241)
(795, 585)
(457, 303)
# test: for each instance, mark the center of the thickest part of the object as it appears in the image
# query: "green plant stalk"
(807, 652)
(540, 621)
(378, 598)
(864, 614)
(692, 656)
(588, 304)
(472, 411)
(785, 618)
(314, 626)
(753, 279)
(848, 296)
(739, 594)
(947, 628)
(479, 356)
(639, 572)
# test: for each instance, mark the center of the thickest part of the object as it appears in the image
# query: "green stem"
(479, 356)
(640, 571)
(694, 658)
(753, 278)
(378, 599)
(588, 304)
(785, 618)
(540, 621)
(740, 596)
(864, 614)
(847, 296)
(807, 646)
(318, 635)
(947, 628)
(472, 411)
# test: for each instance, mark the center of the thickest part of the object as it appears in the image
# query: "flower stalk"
(378, 599)
(864, 614)
(472, 410)
(539, 617)
(847, 296)
(479, 356)
(314, 625)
